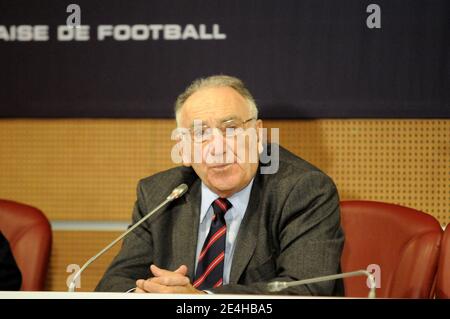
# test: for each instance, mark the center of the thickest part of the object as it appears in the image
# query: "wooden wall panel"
(76, 247)
(405, 162)
(88, 169)
(81, 169)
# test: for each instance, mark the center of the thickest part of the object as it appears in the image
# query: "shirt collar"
(239, 200)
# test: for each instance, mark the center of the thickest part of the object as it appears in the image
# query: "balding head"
(216, 81)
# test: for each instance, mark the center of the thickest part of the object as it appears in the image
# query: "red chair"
(30, 236)
(402, 241)
(443, 276)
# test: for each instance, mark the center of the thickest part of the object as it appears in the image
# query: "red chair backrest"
(402, 241)
(443, 276)
(29, 234)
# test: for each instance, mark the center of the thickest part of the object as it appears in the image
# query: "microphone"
(280, 285)
(176, 193)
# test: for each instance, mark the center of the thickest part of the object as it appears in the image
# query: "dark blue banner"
(300, 59)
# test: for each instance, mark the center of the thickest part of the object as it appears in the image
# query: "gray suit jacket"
(290, 231)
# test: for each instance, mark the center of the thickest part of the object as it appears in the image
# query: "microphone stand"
(176, 193)
(280, 285)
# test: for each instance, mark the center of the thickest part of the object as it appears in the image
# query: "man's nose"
(217, 142)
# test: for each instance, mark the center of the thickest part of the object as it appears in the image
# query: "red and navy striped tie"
(209, 272)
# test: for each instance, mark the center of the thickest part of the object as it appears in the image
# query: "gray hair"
(216, 81)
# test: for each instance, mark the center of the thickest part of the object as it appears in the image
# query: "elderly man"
(236, 229)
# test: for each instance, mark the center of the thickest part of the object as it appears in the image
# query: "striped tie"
(209, 272)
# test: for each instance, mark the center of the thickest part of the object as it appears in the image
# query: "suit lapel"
(186, 229)
(246, 239)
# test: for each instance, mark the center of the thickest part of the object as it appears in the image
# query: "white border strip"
(89, 225)
(122, 295)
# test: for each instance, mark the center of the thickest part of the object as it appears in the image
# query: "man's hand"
(168, 282)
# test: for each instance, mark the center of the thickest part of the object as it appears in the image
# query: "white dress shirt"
(233, 218)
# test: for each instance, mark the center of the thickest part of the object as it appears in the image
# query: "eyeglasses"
(228, 129)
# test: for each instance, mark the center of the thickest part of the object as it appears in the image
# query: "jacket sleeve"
(132, 262)
(310, 239)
